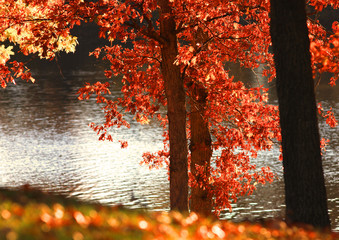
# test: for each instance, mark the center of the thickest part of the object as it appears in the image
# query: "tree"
(305, 193)
(176, 109)
(167, 51)
(207, 84)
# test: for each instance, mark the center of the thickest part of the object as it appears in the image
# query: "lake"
(46, 142)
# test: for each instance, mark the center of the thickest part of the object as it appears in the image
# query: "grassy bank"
(30, 214)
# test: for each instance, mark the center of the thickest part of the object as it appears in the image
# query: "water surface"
(46, 142)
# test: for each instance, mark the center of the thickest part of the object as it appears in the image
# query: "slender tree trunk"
(201, 152)
(176, 110)
(201, 144)
(305, 191)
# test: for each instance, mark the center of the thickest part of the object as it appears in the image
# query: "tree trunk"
(201, 152)
(201, 144)
(305, 191)
(176, 110)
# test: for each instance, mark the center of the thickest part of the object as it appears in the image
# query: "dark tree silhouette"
(305, 191)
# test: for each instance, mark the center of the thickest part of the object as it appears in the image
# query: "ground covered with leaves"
(30, 214)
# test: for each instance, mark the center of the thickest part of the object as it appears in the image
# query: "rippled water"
(45, 141)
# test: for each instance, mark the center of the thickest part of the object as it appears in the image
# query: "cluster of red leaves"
(325, 50)
(329, 116)
(319, 5)
(15, 70)
(113, 116)
(33, 215)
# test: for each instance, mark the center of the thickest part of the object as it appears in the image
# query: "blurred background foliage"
(26, 213)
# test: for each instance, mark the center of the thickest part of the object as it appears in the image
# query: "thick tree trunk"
(305, 191)
(201, 143)
(176, 111)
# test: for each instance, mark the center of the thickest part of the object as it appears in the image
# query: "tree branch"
(182, 28)
(150, 33)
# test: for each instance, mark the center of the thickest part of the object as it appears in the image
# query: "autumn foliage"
(30, 214)
(239, 118)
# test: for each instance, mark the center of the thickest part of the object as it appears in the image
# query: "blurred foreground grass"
(30, 214)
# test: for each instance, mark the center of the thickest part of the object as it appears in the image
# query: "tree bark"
(176, 110)
(201, 153)
(200, 144)
(305, 191)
